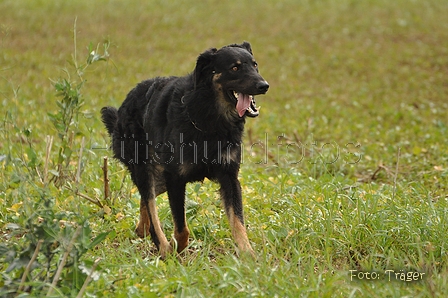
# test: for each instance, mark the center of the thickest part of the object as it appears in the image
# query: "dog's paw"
(180, 240)
(247, 252)
(165, 249)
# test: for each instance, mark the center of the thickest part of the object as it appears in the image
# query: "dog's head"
(233, 73)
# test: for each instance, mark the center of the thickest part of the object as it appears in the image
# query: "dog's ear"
(204, 66)
(247, 46)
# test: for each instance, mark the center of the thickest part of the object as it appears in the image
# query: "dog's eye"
(235, 68)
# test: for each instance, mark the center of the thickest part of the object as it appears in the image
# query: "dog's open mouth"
(245, 105)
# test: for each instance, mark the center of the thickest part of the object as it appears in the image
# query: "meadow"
(344, 172)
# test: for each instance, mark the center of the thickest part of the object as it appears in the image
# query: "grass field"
(344, 173)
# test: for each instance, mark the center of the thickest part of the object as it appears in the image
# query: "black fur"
(173, 130)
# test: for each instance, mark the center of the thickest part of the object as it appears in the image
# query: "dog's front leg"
(176, 195)
(231, 196)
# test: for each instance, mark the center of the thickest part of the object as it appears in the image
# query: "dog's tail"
(109, 115)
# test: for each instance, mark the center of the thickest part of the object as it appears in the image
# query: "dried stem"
(88, 279)
(78, 172)
(63, 261)
(106, 180)
(94, 201)
(28, 267)
(296, 137)
(380, 167)
(49, 141)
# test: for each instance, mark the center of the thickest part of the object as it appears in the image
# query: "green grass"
(353, 177)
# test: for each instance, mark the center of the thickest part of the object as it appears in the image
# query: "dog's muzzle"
(263, 87)
(245, 103)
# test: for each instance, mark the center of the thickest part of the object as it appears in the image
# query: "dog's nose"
(263, 86)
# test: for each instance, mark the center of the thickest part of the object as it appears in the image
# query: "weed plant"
(47, 258)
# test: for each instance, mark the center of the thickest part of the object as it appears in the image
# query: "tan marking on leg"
(144, 224)
(239, 233)
(164, 245)
(181, 238)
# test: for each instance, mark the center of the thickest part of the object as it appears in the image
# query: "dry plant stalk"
(64, 260)
(78, 171)
(28, 267)
(94, 201)
(106, 179)
(49, 141)
(88, 279)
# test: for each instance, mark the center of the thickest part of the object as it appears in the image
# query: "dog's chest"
(199, 160)
(209, 153)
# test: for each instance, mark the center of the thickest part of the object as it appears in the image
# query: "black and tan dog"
(173, 130)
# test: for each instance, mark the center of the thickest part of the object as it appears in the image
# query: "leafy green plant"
(46, 245)
(70, 102)
(49, 259)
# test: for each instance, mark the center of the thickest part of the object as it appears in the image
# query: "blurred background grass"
(362, 77)
(345, 71)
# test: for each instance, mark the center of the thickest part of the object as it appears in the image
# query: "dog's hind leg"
(231, 196)
(176, 195)
(157, 234)
(149, 219)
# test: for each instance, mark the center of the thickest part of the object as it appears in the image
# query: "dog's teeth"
(256, 112)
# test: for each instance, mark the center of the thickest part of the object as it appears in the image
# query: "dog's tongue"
(242, 104)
